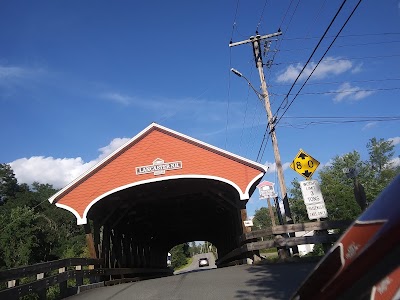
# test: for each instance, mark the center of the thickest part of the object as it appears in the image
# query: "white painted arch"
(83, 219)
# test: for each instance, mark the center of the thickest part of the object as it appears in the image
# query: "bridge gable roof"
(180, 156)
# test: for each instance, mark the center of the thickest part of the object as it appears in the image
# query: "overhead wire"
(340, 92)
(229, 76)
(343, 36)
(265, 137)
(339, 82)
(282, 105)
(347, 45)
(234, 19)
(330, 122)
(341, 58)
(228, 100)
(262, 14)
(322, 57)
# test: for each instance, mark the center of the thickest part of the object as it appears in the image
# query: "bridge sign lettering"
(159, 167)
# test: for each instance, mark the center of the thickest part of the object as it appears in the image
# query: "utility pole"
(255, 40)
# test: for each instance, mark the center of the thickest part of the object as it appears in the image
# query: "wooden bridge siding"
(249, 243)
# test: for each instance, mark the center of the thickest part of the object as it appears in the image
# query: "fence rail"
(249, 241)
(60, 271)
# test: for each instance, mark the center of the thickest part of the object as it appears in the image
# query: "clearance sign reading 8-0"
(304, 164)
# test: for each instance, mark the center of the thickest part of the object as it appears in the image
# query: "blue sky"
(78, 78)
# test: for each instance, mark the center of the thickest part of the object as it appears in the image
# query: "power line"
(341, 117)
(265, 138)
(312, 72)
(343, 36)
(339, 82)
(281, 106)
(284, 16)
(262, 14)
(343, 58)
(315, 49)
(316, 18)
(307, 124)
(347, 45)
(234, 19)
(245, 114)
(228, 100)
(340, 92)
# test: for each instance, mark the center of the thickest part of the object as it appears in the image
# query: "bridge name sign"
(159, 167)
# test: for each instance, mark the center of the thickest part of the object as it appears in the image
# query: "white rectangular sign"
(311, 192)
(316, 211)
(248, 223)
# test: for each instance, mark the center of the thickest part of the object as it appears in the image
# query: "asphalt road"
(274, 281)
(195, 263)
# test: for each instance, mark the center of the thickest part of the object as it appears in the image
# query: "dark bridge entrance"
(160, 189)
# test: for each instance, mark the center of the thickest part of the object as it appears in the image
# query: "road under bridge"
(269, 281)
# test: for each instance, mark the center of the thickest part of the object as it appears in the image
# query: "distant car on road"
(203, 262)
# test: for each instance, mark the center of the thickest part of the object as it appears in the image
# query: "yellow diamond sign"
(304, 164)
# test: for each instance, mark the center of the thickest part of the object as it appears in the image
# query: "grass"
(270, 250)
(188, 262)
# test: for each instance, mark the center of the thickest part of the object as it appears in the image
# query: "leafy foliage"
(33, 230)
(179, 255)
(262, 218)
(8, 183)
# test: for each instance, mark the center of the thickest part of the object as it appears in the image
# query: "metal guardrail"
(249, 241)
(43, 275)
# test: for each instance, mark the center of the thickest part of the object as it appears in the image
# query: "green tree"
(8, 183)
(178, 255)
(32, 229)
(337, 189)
(21, 238)
(380, 154)
(296, 202)
(381, 171)
(262, 218)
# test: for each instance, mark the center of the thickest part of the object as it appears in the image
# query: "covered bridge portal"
(160, 189)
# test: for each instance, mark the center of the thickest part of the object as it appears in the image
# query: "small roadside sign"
(304, 164)
(311, 192)
(313, 199)
(266, 190)
(248, 223)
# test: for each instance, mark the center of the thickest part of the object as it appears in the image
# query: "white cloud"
(12, 72)
(58, 171)
(395, 140)
(119, 98)
(351, 93)
(395, 162)
(272, 167)
(327, 164)
(357, 68)
(111, 147)
(370, 125)
(328, 66)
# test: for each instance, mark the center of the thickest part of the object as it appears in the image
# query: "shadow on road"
(275, 281)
